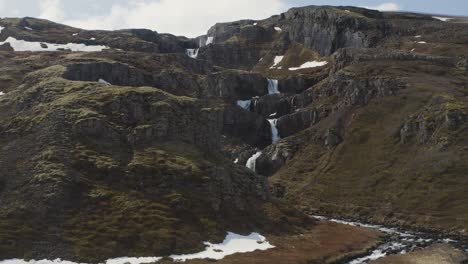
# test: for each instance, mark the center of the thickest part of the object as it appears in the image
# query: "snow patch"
(104, 82)
(2, 93)
(236, 161)
(1, 28)
(232, 244)
(133, 260)
(28, 28)
(75, 34)
(276, 61)
(273, 86)
(422, 42)
(278, 29)
(22, 45)
(192, 53)
(255, 24)
(418, 36)
(251, 162)
(444, 19)
(92, 39)
(310, 64)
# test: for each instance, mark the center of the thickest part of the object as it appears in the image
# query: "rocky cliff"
(141, 149)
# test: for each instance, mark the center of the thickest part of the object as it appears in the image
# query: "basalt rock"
(235, 85)
(246, 125)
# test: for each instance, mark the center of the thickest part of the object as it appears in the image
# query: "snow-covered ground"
(309, 64)
(104, 82)
(22, 45)
(232, 244)
(276, 61)
(444, 19)
(1, 28)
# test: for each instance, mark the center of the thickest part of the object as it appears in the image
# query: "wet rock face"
(248, 126)
(274, 157)
(235, 85)
(115, 73)
(327, 30)
(291, 124)
(299, 83)
(231, 55)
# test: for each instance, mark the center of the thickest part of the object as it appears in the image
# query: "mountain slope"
(141, 149)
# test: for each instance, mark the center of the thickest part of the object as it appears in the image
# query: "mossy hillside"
(418, 182)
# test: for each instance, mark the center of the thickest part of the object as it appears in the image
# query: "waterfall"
(251, 163)
(274, 130)
(192, 53)
(245, 104)
(273, 86)
(209, 40)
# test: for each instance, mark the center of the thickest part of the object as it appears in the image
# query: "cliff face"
(370, 109)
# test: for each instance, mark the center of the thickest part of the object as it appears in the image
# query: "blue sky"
(192, 17)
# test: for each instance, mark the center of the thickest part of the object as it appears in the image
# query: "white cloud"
(51, 9)
(386, 7)
(180, 17)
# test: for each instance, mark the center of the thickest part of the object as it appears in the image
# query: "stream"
(398, 241)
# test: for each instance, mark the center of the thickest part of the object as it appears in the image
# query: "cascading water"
(252, 161)
(273, 86)
(209, 40)
(192, 53)
(274, 130)
(245, 104)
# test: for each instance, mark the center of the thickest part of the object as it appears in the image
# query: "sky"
(193, 17)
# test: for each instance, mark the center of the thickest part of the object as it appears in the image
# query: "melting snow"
(277, 61)
(22, 45)
(244, 104)
(273, 86)
(251, 163)
(445, 19)
(310, 64)
(233, 243)
(274, 130)
(104, 82)
(28, 28)
(278, 29)
(133, 260)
